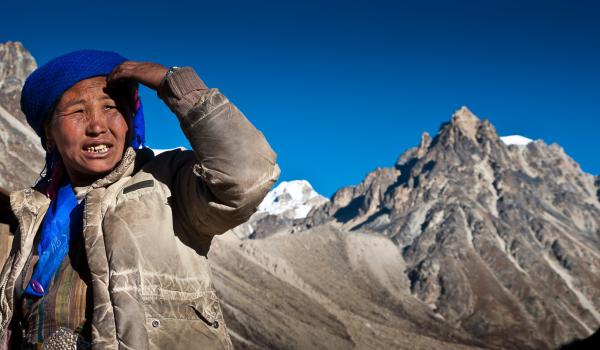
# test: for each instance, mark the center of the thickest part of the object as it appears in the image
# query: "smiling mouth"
(97, 149)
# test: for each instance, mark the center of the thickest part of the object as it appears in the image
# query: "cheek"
(67, 135)
(119, 128)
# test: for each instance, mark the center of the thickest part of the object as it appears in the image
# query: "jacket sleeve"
(234, 167)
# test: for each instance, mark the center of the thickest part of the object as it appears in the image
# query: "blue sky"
(342, 87)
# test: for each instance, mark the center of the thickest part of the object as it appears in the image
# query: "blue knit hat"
(44, 87)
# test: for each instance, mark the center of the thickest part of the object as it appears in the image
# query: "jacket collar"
(31, 201)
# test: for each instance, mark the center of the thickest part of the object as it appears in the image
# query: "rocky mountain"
(286, 204)
(16, 63)
(21, 155)
(487, 243)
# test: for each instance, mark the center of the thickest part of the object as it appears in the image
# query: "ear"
(49, 139)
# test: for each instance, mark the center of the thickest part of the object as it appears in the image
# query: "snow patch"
(158, 151)
(516, 140)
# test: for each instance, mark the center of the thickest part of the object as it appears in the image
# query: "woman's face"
(89, 128)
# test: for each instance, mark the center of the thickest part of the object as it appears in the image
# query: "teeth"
(98, 149)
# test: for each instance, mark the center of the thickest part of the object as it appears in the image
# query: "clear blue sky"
(342, 87)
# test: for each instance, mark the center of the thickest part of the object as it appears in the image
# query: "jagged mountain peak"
(464, 114)
(16, 63)
(466, 121)
(465, 130)
(293, 199)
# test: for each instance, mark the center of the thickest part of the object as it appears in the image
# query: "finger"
(114, 74)
(120, 73)
(123, 70)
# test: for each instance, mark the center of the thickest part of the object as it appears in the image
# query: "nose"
(96, 123)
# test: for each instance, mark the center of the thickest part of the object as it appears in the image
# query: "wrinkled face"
(89, 128)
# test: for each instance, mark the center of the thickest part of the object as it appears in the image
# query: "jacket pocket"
(190, 321)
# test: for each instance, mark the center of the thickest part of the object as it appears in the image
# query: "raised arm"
(232, 168)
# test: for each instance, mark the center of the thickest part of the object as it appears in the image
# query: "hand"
(147, 73)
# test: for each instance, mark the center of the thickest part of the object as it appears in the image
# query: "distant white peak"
(295, 197)
(516, 140)
(158, 151)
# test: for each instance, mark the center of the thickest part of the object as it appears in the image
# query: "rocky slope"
(324, 289)
(500, 241)
(21, 157)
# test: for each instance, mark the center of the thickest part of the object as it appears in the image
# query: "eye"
(109, 106)
(77, 111)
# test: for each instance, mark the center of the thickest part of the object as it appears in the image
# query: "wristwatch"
(164, 79)
(171, 71)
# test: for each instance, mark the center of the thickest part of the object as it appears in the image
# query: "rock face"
(16, 63)
(21, 155)
(499, 241)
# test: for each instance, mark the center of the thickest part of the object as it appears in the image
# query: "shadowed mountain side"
(324, 288)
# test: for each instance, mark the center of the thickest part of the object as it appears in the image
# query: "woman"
(112, 242)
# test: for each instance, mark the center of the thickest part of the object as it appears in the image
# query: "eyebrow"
(72, 103)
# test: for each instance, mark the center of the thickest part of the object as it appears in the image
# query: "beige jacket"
(148, 226)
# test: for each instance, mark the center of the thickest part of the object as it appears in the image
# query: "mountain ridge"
(481, 223)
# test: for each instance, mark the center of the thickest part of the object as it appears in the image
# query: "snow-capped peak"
(293, 199)
(158, 151)
(516, 140)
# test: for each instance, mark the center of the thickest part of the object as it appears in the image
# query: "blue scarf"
(62, 225)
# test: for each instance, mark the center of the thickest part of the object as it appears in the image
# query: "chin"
(91, 172)
(99, 169)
